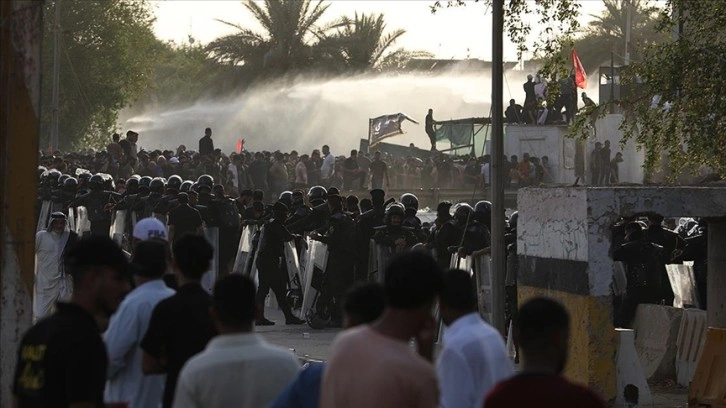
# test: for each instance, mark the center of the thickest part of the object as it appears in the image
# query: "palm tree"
(607, 32)
(360, 43)
(285, 44)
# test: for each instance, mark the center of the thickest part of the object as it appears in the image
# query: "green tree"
(680, 109)
(289, 32)
(607, 33)
(361, 44)
(106, 62)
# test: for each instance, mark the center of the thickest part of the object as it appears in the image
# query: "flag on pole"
(580, 75)
(386, 126)
(240, 145)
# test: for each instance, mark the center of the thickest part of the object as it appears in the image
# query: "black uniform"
(95, 202)
(365, 229)
(340, 238)
(272, 274)
(444, 235)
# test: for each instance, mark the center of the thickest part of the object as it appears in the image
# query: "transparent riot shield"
(244, 248)
(210, 277)
(72, 219)
(683, 282)
(83, 226)
(317, 260)
(295, 291)
(383, 256)
(372, 262)
(43, 216)
(483, 281)
(118, 227)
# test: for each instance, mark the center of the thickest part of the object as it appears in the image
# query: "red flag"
(240, 144)
(580, 75)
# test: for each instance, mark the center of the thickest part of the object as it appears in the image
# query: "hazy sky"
(458, 32)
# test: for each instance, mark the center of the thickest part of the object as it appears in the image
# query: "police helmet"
(41, 171)
(83, 177)
(462, 212)
(132, 184)
(392, 210)
(156, 185)
(53, 176)
(286, 198)
(483, 210)
(409, 201)
(145, 181)
(135, 177)
(513, 220)
(317, 194)
(206, 180)
(174, 183)
(96, 182)
(63, 178)
(108, 182)
(70, 184)
(186, 185)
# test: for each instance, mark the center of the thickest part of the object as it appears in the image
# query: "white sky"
(458, 32)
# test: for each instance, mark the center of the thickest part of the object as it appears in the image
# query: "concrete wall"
(563, 245)
(551, 141)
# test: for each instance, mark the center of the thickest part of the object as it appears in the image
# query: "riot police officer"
(444, 234)
(365, 229)
(317, 218)
(393, 234)
(270, 258)
(97, 203)
(340, 238)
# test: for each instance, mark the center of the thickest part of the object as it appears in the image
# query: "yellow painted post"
(20, 38)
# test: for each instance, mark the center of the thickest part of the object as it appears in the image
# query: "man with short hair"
(474, 357)
(62, 360)
(183, 219)
(429, 127)
(129, 145)
(373, 366)
(180, 325)
(379, 170)
(363, 304)
(237, 368)
(542, 334)
(327, 168)
(126, 383)
(351, 170)
(206, 144)
(114, 149)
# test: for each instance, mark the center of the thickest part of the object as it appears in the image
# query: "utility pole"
(55, 119)
(628, 28)
(498, 250)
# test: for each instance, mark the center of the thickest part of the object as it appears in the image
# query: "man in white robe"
(51, 283)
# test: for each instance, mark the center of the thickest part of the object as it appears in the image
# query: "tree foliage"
(290, 28)
(107, 51)
(606, 33)
(681, 110)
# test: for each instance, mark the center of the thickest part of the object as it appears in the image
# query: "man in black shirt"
(351, 170)
(184, 219)
(180, 325)
(430, 122)
(62, 360)
(379, 169)
(206, 145)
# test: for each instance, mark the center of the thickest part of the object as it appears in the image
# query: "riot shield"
(210, 277)
(683, 283)
(72, 219)
(316, 261)
(294, 292)
(383, 256)
(483, 281)
(83, 226)
(372, 261)
(43, 216)
(118, 227)
(244, 248)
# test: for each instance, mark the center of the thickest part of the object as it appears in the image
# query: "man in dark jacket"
(206, 145)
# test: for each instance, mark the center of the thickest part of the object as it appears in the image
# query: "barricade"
(630, 375)
(656, 333)
(691, 338)
(709, 382)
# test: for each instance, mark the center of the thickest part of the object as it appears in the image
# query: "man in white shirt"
(486, 170)
(126, 382)
(328, 166)
(238, 368)
(474, 358)
(51, 283)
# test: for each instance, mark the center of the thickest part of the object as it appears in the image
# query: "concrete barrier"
(632, 386)
(656, 333)
(691, 339)
(709, 383)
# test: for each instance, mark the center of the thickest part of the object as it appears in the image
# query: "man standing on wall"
(430, 122)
